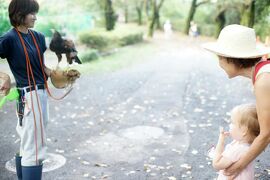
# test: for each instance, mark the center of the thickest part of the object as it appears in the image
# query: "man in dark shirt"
(24, 49)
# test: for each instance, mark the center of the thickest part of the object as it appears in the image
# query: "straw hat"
(237, 41)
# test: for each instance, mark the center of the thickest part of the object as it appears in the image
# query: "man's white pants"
(32, 128)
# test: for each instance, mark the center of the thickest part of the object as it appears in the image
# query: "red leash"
(30, 72)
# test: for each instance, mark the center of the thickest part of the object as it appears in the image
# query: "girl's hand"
(223, 133)
(5, 85)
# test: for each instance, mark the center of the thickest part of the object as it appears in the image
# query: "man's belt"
(39, 86)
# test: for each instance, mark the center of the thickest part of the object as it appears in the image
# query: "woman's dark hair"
(18, 9)
(243, 63)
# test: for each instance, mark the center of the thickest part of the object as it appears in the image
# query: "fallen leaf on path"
(101, 165)
(85, 163)
(104, 177)
(194, 152)
(198, 110)
(177, 151)
(186, 166)
(130, 172)
(59, 151)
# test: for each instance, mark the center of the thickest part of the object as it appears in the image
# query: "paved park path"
(153, 120)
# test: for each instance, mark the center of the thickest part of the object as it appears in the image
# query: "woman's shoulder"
(261, 69)
(264, 68)
(263, 76)
(263, 82)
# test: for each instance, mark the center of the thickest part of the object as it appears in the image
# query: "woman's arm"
(219, 162)
(262, 93)
(5, 84)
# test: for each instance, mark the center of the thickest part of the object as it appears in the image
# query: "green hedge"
(131, 39)
(105, 40)
(96, 40)
(89, 55)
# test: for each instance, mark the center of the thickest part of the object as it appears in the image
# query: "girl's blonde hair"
(249, 119)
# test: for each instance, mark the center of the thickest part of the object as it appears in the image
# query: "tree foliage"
(262, 9)
(251, 12)
(4, 20)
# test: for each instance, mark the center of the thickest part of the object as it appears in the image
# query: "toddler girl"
(244, 128)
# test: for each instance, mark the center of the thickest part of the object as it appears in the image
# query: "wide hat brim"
(259, 51)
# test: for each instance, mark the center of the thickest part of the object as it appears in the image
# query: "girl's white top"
(233, 152)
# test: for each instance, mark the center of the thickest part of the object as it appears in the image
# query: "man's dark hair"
(243, 63)
(18, 9)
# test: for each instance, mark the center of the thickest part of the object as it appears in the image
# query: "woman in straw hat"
(239, 55)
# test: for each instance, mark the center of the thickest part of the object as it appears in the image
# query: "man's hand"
(6, 84)
(72, 75)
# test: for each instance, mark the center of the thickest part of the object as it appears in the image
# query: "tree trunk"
(157, 14)
(139, 9)
(126, 12)
(252, 14)
(147, 8)
(158, 21)
(110, 17)
(151, 28)
(248, 14)
(155, 17)
(221, 20)
(190, 16)
(139, 12)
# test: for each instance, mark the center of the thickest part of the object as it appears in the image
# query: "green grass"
(125, 57)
